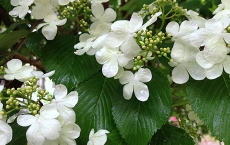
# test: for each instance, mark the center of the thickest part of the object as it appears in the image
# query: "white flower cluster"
(201, 46)
(55, 122)
(114, 46)
(42, 9)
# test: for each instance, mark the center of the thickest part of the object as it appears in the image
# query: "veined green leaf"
(138, 121)
(210, 99)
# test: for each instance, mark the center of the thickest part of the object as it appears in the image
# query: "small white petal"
(172, 28)
(49, 31)
(180, 75)
(14, 65)
(144, 75)
(70, 100)
(49, 111)
(202, 61)
(141, 91)
(196, 71)
(128, 91)
(135, 22)
(226, 65)
(25, 120)
(215, 71)
(60, 92)
(126, 77)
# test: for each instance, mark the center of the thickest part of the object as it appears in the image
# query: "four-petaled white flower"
(21, 9)
(102, 18)
(111, 58)
(212, 38)
(5, 133)
(184, 61)
(134, 82)
(49, 29)
(69, 132)
(15, 70)
(98, 138)
(41, 128)
(123, 33)
(61, 106)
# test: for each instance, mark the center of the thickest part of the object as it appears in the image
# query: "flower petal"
(49, 110)
(215, 71)
(172, 28)
(49, 31)
(25, 120)
(14, 65)
(97, 10)
(126, 77)
(60, 92)
(202, 61)
(226, 65)
(195, 71)
(144, 75)
(135, 22)
(141, 91)
(128, 91)
(180, 75)
(70, 100)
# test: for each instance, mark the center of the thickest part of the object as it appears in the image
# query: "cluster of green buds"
(149, 44)
(73, 9)
(2, 70)
(160, 5)
(21, 98)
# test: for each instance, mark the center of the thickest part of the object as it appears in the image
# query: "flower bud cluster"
(149, 44)
(66, 11)
(2, 70)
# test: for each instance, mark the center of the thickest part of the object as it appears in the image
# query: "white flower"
(212, 37)
(134, 82)
(69, 132)
(213, 71)
(61, 106)
(111, 58)
(49, 29)
(5, 133)
(124, 32)
(102, 17)
(182, 32)
(15, 70)
(43, 8)
(21, 9)
(40, 74)
(194, 16)
(98, 138)
(41, 128)
(184, 61)
(224, 5)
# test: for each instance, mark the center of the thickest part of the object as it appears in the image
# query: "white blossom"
(111, 58)
(64, 2)
(98, 138)
(134, 82)
(41, 128)
(194, 16)
(60, 107)
(124, 32)
(15, 70)
(21, 9)
(5, 132)
(44, 8)
(49, 29)
(69, 132)
(213, 38)
(101, 17)
(184, 61)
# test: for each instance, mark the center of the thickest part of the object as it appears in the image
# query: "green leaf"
(171, 135)
(11, 38)
(19, 134)
(94, 106)
(210, 99)
(138, 121)
(33, 43)
(114, 138)
(6, 5)
(70, 69)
